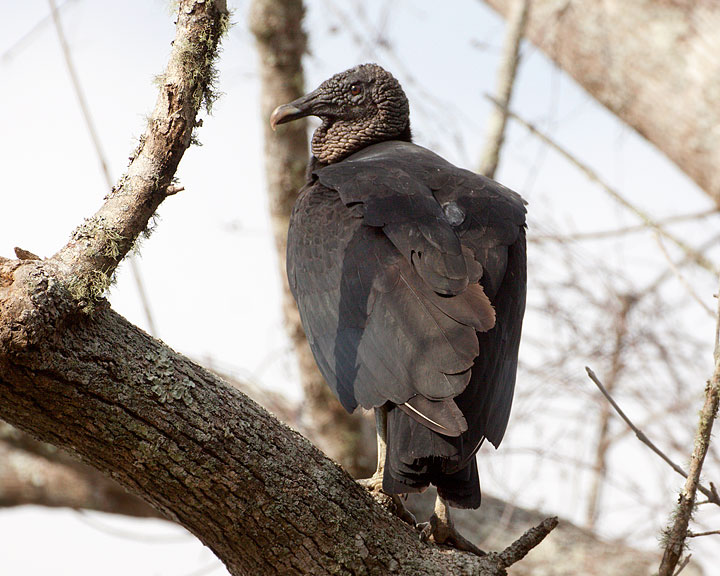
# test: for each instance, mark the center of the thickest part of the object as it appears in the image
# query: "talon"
(373, 484)
(442, 531)
(391, 502)
(402, 512)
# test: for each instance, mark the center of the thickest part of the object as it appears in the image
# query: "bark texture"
(281, 43)
(37, 473)
(653, 63)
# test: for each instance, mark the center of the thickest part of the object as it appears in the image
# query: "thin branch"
(678, 532)
(506, 80)
(709, 492)
(683, 564)
(25, 38)
(676, 271)
(668, 273)
(520, 548)
(89, 260)
(80, 94)
(610, 234)
(617, 365)
(593, 176)
(99, 152)
(144, 299)
(692, 534)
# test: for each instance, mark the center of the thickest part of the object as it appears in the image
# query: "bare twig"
(692, 534)
(603, 442)
(709, 492)
(80, 94)
(593, 176)
(25, 38)
(506, 79)
(610, 234)
(520, 548)
(174, 189)
(25, 254)
(684, 563)
(676, 271)
(677, 533)
(668, 273)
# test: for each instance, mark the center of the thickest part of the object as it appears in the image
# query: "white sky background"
(209, 269)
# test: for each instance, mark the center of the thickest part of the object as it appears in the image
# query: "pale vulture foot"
(440, 529)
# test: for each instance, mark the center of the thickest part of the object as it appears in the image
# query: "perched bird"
(410, 277)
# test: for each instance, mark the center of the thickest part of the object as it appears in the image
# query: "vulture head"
(361, 106)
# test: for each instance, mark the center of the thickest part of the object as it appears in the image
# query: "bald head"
(358, 107)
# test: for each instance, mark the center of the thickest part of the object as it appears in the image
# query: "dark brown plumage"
(410, 278)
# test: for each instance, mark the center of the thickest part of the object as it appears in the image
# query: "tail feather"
(461, 489)
(442, 416)
(418, 457)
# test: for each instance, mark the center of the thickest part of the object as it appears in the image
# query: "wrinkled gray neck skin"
(383, 115)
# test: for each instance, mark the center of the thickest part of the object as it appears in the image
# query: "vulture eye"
(355, 89)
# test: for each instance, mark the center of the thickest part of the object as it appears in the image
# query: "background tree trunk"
(653, 63)
(36, 473)
(281, 43)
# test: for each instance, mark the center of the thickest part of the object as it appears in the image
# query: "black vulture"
(410, 277)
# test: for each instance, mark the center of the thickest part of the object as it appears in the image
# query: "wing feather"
(410, 277)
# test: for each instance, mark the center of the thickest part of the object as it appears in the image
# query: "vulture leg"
(441, 529)
(375, 482)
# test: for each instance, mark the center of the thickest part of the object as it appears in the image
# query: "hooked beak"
(285, 113)
(307, 105)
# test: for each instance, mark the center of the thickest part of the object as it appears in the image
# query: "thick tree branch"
(34, 474)
(259, 495)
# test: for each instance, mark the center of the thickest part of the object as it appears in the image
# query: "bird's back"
(409, 274)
